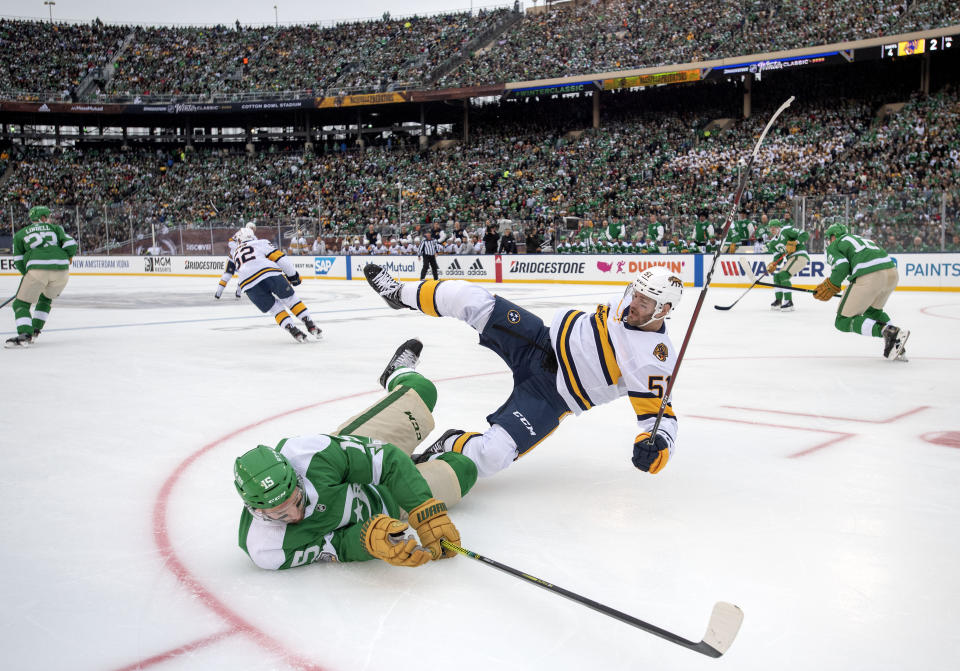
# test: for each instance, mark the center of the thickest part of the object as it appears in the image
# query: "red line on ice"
(236, 623)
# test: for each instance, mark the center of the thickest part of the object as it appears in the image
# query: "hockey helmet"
(660, 284)
(838, 230)
(244, 235)
(39, 212)
(264, 478)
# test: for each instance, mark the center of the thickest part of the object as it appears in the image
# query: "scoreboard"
(919, 46)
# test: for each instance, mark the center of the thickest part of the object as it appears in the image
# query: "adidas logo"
(476, 268)
(454, 269)
(43, 108)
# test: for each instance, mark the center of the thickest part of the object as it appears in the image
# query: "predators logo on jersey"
(660, 351)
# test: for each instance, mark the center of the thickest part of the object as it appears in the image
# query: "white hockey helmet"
(244, 235)
(252, 225)
(660, 284)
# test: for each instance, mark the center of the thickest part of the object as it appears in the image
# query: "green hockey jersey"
(347, 480)
(777, 246)
(43, 245)
(851, 256)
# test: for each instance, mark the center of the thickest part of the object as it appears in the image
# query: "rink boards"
(918, 272)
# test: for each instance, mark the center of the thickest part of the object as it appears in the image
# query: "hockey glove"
(650, 455)
(294, 279)
(791, 246)
(219, 292)
(772, 267)
(384, 539)
(432, 524)
(826, 290)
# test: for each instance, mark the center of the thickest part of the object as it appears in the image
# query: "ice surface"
(802, 490)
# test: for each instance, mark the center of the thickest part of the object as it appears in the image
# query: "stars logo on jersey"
(513, 316)
(660, 351)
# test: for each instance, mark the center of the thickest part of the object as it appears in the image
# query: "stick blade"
(745, 266)
(724, 624)
(723, 307)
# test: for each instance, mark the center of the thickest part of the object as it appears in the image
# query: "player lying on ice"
(342, 496)
(581, 360)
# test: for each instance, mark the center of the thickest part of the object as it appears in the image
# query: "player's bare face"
(290, 511)
(641, 311)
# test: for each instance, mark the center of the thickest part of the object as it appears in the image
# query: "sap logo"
(526, 422)
(323, 264)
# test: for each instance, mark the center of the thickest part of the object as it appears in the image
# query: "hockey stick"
(7, 301)
(721, 630)
(785, 288)
(728, 307)
(713, 264)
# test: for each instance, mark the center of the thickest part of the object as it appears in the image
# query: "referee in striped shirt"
(428, 252)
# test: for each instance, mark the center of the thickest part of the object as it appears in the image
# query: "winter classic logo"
(322, 264)
(157, 264)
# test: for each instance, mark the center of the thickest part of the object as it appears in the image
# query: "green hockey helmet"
(39, 212)
(264, 478)
(838, 230)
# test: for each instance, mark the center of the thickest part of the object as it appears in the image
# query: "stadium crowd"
(442, 50)
(534, 164)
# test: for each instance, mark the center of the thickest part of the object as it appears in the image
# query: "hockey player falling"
(265, 275)
(579, 361)
(339, 497)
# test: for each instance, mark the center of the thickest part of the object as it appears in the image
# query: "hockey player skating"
(341, 497)
(873, 277)
(42, 253)
(581, 360)
(790, 256)
(265, 275)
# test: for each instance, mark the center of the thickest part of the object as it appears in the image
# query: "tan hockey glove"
(772, 267)
(826, 290)
(791, 246)
(383, 538)
(432, 524)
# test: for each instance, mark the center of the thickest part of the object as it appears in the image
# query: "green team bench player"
(42, 253)
(340, 497)
(873, 277)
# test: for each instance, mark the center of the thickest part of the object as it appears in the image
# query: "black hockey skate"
(312, 328)
(297, 334)
(775, 305)
(383, 284)
(406, 356)
(19, 340)
(437, 448)
(786, 306)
